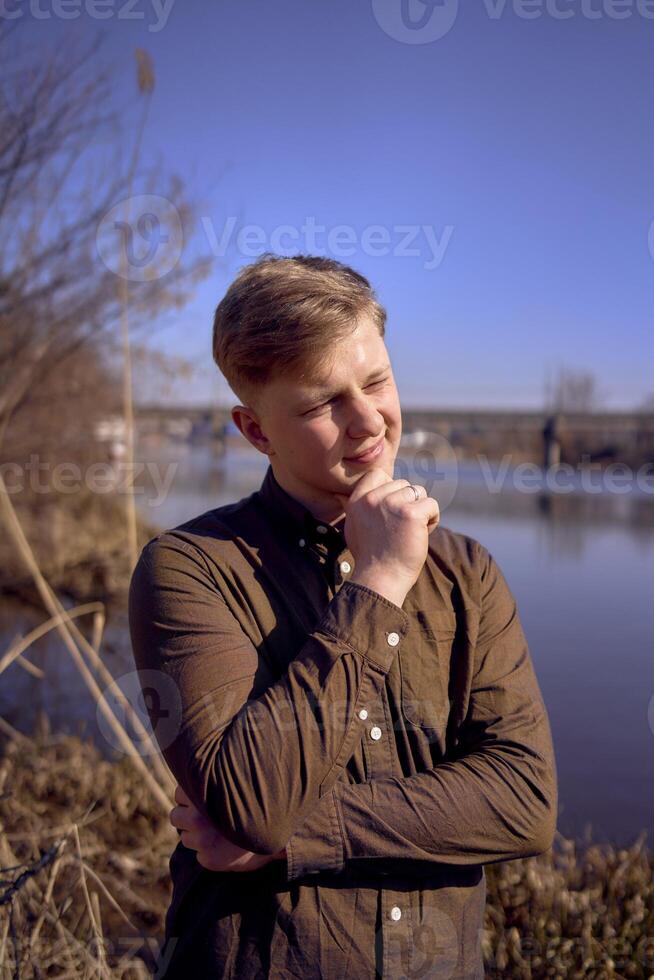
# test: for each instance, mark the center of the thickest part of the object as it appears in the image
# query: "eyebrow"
(324, 392)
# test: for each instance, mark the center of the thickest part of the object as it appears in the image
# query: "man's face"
(312, 428)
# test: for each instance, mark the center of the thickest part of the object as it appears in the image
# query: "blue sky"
(513, 156)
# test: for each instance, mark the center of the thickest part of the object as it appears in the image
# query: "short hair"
(281, 316)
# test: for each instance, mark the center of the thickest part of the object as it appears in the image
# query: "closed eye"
(330, 401)
(316, 407)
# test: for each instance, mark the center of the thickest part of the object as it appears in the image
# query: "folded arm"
(253, 752)
(495, 800)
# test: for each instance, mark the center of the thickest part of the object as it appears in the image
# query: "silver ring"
(415, 490)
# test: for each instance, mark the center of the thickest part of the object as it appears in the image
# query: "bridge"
(535, 436)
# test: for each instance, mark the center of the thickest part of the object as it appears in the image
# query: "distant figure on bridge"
(552, 441)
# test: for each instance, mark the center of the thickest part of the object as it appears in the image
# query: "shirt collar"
(298, 519)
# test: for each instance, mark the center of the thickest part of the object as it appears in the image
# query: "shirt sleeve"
(252, 751)
(495, 800)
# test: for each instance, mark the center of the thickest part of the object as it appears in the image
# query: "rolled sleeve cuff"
(364, 621)
(318, 845)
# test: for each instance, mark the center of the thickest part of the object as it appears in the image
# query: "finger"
(430, 509)
(427, 508)
(181, 797)
(408, 494)
(381, 488)
(181, 817)
(371, 479)
(434, 517)
(190, 840)
(392, 487)
(208, 860)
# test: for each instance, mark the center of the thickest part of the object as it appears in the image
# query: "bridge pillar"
(552, 441)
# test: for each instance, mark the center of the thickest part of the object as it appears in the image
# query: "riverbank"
(80, 545)
(84, 849)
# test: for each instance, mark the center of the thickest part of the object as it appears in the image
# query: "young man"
(359, 727)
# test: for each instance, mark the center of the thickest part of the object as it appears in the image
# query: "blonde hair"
(281, 316)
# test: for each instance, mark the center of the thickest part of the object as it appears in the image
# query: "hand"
(387, 530)
(214, 851)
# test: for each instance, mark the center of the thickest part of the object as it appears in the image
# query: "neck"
(323, 505)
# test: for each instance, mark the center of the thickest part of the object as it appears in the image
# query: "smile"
(369, 456)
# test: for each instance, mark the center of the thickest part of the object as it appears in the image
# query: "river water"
(579, 560)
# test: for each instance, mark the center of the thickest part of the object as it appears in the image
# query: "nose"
(365, 419)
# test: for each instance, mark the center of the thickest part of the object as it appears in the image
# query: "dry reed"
(84, 852)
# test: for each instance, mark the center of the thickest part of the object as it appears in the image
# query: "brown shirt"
(393, 751)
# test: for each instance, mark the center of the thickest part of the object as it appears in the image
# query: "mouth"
(369, 455)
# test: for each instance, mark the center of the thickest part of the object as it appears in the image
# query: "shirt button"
(321, 529)
(363, 714)
(393, 639)
(375, 733)
(302, 542)
(346, 567)
(396, 913)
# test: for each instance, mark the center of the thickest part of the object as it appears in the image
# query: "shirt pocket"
(424, 677)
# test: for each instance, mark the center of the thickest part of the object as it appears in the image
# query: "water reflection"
(579, 564)
(467, 488)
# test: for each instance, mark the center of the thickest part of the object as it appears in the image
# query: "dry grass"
(576, 911)
(84, 851)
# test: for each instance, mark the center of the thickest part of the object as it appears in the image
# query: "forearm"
(480, 809)
(493, 799)
(285, 748)
(489, 806)
(254, 751)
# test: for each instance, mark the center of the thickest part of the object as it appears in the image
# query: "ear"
(247, 422)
